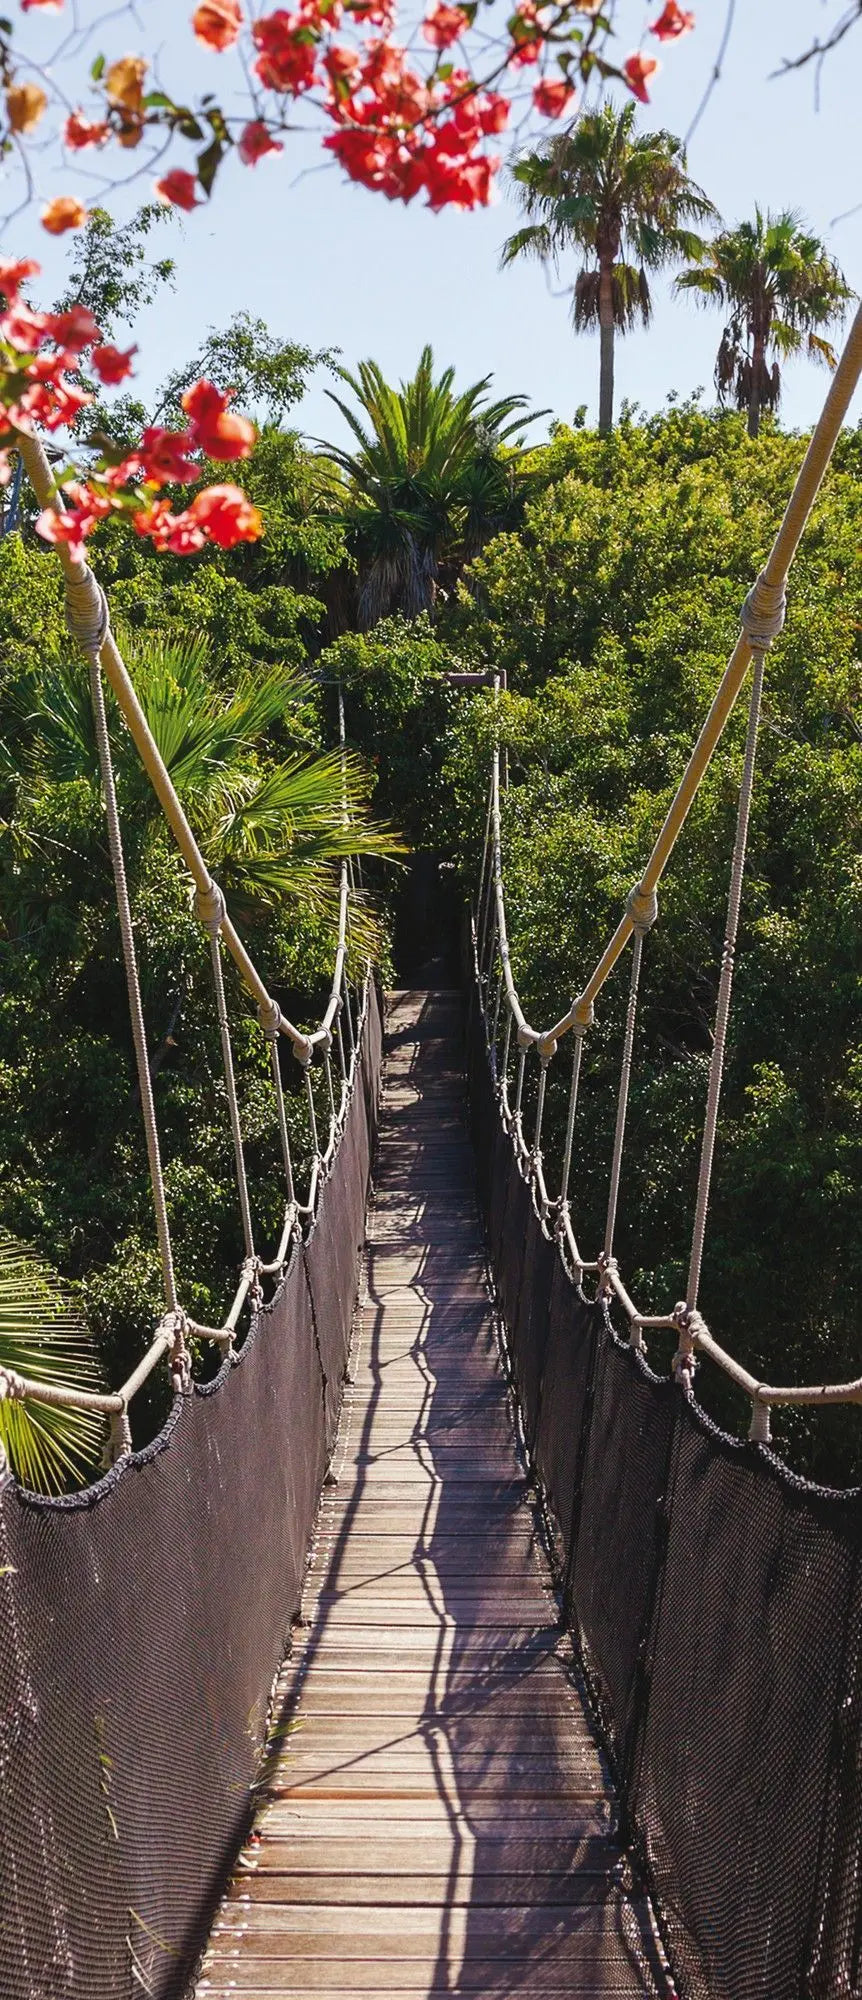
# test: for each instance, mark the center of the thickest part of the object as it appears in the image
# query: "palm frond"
(42, 1337)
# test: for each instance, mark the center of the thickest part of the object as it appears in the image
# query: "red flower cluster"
(388, 139)
(40, 348)
(220, 514)
(287, 45)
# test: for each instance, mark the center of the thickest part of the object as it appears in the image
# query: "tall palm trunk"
(759, 332)
(606, 345)
(758, 353)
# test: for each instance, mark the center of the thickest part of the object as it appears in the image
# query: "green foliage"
(614, 610)
(267, 374)
(112, 272)
(434, 474)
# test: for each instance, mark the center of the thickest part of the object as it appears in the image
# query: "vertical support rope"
(270, 1030)
(540, 1106)
(623, 1098)
(350, 1035)
(577, 1051)
(504, 1066)
(327, 1064)
(722, 1011)
(133, 988)
(312, 1114)
(211, 912)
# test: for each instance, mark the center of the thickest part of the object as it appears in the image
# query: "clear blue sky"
(326, 263)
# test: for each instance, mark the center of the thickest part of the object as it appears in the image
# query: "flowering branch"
(395, 125)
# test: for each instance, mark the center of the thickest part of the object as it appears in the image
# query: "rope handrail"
(761, 621)
(88, 621)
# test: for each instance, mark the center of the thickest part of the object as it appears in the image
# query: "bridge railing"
(334, 1045)
(514, 1042)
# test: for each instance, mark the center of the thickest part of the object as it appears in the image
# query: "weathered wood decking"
(439, 1818)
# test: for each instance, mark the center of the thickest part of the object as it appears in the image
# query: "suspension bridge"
(438, 1644)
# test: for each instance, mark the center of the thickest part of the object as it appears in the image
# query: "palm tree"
(271, 828)
(434, 475)
(40, 1336)
(626, 200)
(780, 287)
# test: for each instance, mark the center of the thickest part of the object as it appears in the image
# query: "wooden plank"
(436, 1816)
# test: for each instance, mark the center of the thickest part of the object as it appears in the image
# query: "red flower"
(493, 112)
(112, 364)
(162, 457)
(80, 131)
(215, 429)
(637, 72)
(13, 273)
(377, 13)
(64, 212)
(672, 21)
(255, 142)
(285, 62)
(73, 329)
(342, 64)
(552, 95)
(22, 327)
(176, 532)
(217, 23)
(50, 6)
(72, 524)
(226, 516)
(444, 25)
(178, 188)
(522, 28)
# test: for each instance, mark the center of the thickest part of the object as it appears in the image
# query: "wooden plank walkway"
(438, 1816)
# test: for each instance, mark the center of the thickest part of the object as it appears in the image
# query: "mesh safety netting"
(143, 1622)
(717, 1601)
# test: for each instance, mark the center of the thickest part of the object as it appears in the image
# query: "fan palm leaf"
(780, 288)
(627, 201)
(41, 1337)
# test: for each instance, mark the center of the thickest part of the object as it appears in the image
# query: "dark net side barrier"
(717, 1599)
(142, 1625)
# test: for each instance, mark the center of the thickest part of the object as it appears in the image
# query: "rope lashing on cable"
(642, 907)
(87, 615)
(763, 613)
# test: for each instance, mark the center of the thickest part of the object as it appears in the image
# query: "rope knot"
(87, 612)
(12, 1387)
(762, 614)
(118, 1442)
(608, 1267)
(583, 1016)
(690, 1325)
(176, 1326)
(642, 907)
(269, 1016)
(210, 908)
(251, 1271)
